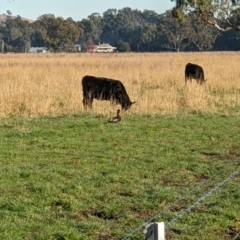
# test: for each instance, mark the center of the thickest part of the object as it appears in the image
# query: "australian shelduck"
(116, 118)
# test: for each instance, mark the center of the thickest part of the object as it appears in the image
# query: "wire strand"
(236, 237)
(187, 210)
(180, 199)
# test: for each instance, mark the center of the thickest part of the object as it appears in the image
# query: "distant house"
(104, 48)
(38, 50)
(78, 47)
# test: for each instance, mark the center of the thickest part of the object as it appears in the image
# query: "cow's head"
(126, 106)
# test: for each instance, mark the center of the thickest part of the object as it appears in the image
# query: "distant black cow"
(104, 89)
(193, 71)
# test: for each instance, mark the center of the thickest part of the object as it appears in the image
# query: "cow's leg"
(87, 102)
(87, 99)
(187, 78)
(90, 102)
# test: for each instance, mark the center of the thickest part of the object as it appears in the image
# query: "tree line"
(127, 29)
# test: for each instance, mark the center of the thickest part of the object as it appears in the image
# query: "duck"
(116, 118)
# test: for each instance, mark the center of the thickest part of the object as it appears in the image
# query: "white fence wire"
(198, 201)
(237, 237)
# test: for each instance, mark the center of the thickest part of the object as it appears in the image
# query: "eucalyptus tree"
(150, 16)
(92, 27)
(109, 30)
(148, 36)
(129, 24)
(137, 28)
(224, 15)
(124, 47)
(56, 32)
(17, 34)
(202, 36)
(174, 33)
(148, 31)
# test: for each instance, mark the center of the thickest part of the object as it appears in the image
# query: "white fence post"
(154, 231)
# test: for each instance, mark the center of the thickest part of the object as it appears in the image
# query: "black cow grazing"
(104, 89)
(193, 71)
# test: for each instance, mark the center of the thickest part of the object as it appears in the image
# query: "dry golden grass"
(50, 85)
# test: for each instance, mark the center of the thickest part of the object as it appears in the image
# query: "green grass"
(80, 177)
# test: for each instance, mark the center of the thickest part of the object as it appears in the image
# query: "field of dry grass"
(50, 85)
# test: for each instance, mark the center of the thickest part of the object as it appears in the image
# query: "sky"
(77, 9)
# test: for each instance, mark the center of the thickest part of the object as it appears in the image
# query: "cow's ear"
(133, 102)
